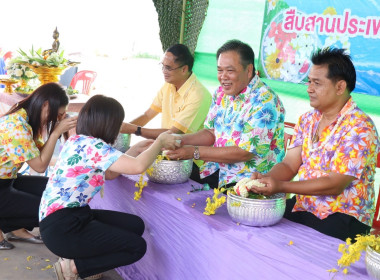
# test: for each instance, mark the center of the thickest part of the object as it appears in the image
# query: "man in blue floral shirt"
(244, 128)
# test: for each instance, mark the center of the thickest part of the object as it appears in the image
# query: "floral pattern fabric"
(351, 150)
(253, 121)
(17, 144)
(78, 175)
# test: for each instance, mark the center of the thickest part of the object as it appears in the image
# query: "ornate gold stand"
(47, 74)
(8, 84)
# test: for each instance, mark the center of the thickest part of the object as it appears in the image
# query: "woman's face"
(45, 113)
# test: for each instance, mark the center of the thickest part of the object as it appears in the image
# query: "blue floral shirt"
(253, 121)
(78, 175)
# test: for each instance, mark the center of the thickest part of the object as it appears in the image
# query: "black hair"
(101, 117)
(182, 54)
(340, 66)
(56, 96)
(247, 56)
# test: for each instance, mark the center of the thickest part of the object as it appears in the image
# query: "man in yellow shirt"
(183, 100)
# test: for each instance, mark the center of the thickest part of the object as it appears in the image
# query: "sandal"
(94, 277)
(64, 275)
(5, 245)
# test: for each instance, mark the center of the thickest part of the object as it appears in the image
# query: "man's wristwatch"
(138, 131)
(196, 152)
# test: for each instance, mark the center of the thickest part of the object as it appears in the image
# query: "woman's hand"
(139, 147)
(65, 125)
(169, 141)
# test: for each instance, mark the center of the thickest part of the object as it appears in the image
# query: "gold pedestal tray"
(47, 74)
(8, 84)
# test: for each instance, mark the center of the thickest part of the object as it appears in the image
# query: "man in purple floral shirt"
(244, 128)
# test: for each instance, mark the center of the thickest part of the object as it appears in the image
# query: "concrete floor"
(33, 262)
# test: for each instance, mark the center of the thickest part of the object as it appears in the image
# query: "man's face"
(172, 71)
(231, 74)
(322, 91)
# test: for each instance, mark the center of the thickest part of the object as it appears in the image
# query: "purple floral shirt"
(253, 121)
(348, 146)
(78, 175)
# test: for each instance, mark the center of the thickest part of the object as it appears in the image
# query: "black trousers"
(337, 225)
(20, 202)
(97, 240)
(212, 180)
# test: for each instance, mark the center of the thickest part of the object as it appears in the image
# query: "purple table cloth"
(183, 243)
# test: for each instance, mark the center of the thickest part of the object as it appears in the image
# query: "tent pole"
(182, 22)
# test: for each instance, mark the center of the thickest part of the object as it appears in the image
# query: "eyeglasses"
(166, 68)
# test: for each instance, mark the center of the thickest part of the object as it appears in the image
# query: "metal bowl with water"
(171, 171)
(256, 212)
(122, 142)
(372, 263)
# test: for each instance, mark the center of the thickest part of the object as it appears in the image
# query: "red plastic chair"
(7, 55)
(376, 218)
(87, 77)
(288, 136)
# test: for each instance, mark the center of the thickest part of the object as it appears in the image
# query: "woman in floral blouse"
(21, 130)
(93, 241)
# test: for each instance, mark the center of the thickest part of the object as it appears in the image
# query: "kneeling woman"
(93, 241)
(21, 131)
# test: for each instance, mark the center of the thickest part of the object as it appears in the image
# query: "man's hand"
(272, 186)
(256, 175)
(185, 152)
(128, 128)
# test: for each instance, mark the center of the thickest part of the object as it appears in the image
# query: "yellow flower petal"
(28, 258)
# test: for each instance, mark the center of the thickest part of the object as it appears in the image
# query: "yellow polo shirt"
(185, 109)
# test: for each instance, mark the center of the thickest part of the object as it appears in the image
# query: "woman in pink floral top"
(93, 241)
(21, 131)
(333, 150)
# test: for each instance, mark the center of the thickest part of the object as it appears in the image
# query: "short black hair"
(56, 97)
(182, 54)
(101, 117)
(340, 66)
(247, 56)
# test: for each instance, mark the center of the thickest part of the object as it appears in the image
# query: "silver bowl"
(256, 212)
(122, 142)
(372, 263)
(171, 171)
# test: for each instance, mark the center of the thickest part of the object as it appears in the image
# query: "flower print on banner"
(286, 56)
(271, 5)
(338, 40)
